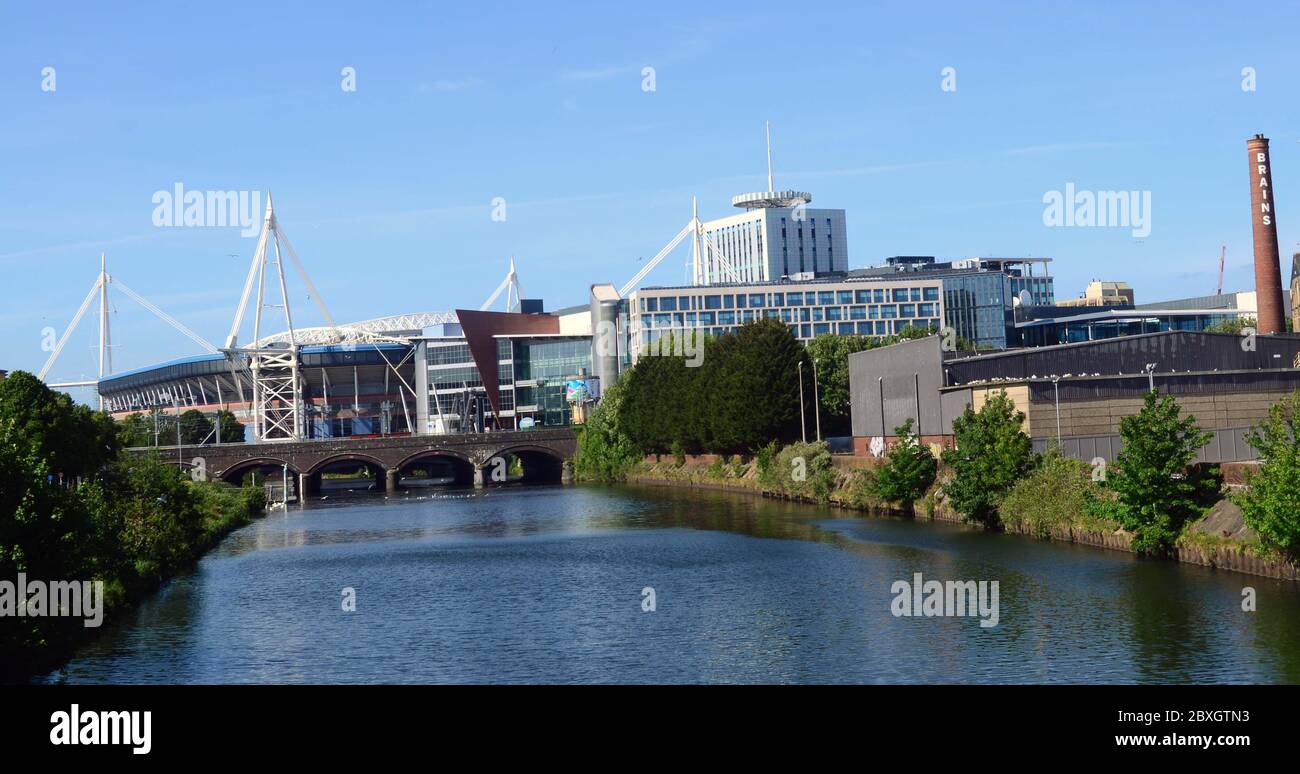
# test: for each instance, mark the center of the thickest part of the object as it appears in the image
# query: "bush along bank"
(103, 526)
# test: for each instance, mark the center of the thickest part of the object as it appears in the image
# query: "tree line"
(74, 506)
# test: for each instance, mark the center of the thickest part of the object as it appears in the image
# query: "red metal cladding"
(1268, 271)
(481, 327)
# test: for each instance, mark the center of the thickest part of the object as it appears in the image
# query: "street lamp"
(1151, 376)
(817, 413)
(803, 430)
(1056, 390)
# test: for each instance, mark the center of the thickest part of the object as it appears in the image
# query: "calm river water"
(545, 584)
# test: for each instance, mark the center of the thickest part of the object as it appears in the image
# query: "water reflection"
(543, 584)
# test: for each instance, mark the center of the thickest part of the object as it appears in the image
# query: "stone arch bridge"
(544, 455)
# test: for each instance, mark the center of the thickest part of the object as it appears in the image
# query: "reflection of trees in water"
(1276, 626)
(1169, 631)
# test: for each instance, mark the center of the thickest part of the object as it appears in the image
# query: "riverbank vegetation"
(1270, 504)
(75, 507)
(740, 408)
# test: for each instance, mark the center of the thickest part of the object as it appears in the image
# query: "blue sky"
(386, 192)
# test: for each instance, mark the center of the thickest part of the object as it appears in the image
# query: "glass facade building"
(979, 294)
(809, 309)
(531, 376)
(1109, 324)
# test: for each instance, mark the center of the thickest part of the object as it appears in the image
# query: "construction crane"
(1218, 290)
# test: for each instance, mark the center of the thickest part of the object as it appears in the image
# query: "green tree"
(750, 380)
(1234, 326)
(195, 427)
(232, 430)
(605, 452)
(136, 430)
(992, 452)
(909, 469)
(72, 440)
(1156, 491)
(1271, 502)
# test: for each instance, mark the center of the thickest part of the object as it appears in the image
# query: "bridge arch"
(540, 464)
(429, 467)
(236, 472)
(347, 465)
(335, 459)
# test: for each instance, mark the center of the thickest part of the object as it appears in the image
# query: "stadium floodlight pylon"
(100, 288)
(702, 246)
(278, 409)
(512, 290)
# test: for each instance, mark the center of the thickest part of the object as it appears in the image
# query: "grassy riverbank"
(87, 529)
(1051, 503)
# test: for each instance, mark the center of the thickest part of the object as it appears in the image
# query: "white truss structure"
(278, 411)
(378, 330)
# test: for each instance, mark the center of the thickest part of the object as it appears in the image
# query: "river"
(549, 584)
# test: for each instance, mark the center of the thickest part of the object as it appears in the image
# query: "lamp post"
(880, 380)
(1151, 376)
(1056, 390)
(817, 413)
(803, 430)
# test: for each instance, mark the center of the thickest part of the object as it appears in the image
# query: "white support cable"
(258, 254)
(632, 283)
(45, 369)
(160, 314)
(306, 280)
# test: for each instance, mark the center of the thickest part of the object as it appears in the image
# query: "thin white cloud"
(448, 86)
(599, 73)
(1063, 147)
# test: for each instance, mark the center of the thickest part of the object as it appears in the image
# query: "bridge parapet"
(389, 453)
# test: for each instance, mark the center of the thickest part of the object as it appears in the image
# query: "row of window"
(790, 298)
(812, 330)
(802, 314)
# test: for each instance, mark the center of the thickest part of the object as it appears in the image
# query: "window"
(899, 294)
(825, 297)
(916, 294)
(930, 294)
(834, 312)
(715, 302)
(862, 296)
(907, 310)
(683, 303)
(817, 313)
(727, 318)
(706, 318)
(756, 300)
(878, 295)
(844, 296)
(652, 304)
(668, 304)
(889, 311)
(821, 328)
(778, 299)
(857, 313)
(794, 299)
(925, 310)
(740, 301)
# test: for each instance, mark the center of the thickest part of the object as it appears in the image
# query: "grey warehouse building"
(1078, 392)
